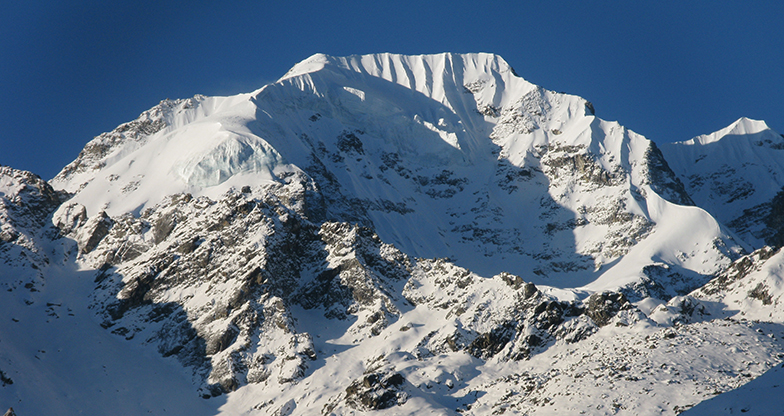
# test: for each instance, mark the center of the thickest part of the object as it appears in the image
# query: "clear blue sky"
(669, 70)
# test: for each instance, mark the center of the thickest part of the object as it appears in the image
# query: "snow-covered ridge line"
(436, 76)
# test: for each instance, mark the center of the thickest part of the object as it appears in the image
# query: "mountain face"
(26, 203)
(397, 234)
(443, 156)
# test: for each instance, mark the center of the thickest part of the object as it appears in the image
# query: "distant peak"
(741, 127)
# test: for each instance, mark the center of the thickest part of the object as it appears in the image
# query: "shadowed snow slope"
(760, 397)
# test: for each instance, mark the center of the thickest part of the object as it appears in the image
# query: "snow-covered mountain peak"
(436, 110)
(448, 155)
(741, 127)
(310, 64)
(745, 125)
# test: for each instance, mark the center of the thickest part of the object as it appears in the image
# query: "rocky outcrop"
(5, 379)
(662, 179)
(255, 258)
(738, 270)
(26, 206)
(26, 202)
(602, 307)
(94, 230)
(376, 391)
(774, 221)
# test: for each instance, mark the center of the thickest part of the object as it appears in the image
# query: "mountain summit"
(402, 234)
(443, 155)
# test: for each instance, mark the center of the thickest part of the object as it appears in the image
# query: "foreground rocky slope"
(394, 234)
